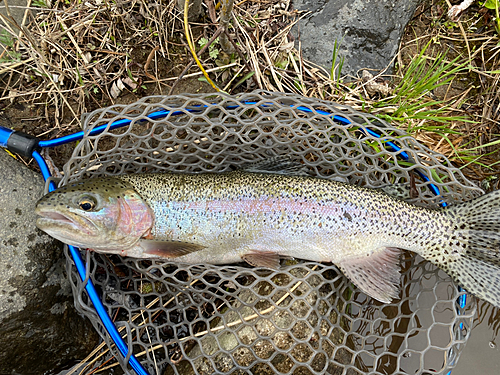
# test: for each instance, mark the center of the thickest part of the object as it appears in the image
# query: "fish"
(271, 210)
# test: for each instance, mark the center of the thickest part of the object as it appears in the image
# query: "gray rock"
(39, 327)
(368, 31)
(195, 8)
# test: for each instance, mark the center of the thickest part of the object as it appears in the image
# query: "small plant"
(336, 69)
(414, 106)
(412, 96)
(213, 51)
(8, 41)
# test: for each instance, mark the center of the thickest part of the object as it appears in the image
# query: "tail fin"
(475, 257)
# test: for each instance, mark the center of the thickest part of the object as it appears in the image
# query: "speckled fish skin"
(309, 218)
(236, 214)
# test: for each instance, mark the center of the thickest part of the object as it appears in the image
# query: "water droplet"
(492, 344)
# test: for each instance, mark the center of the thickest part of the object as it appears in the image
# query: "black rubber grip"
(22, 143)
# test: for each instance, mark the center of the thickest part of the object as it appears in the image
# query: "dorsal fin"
(277, 165)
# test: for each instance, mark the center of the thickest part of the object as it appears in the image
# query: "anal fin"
(262, 259)
(377, 275)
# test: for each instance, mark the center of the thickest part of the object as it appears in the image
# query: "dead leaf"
(116, 88)
(287, 46)
(211, 10)
(373, 86)
(130, 83)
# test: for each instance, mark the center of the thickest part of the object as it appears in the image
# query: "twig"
(245, 62)
(461, 27)
(148, 61)
(196, 73)
(271, 68)
(70, 35)
(227, 8)
(15, 65)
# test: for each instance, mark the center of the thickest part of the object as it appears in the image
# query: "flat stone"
(368, 31)
(39, 327)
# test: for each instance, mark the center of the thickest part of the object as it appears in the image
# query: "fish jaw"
(65, 226)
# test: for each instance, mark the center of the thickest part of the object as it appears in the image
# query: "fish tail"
(473, 259)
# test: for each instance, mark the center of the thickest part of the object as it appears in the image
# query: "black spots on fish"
(347, 216)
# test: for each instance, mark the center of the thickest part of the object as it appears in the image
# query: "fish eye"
(87, 203)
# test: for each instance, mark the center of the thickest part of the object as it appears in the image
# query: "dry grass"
(73, 57)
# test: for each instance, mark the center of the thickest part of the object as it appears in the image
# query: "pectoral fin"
(377, 275)
(168, 249)
(262, 259)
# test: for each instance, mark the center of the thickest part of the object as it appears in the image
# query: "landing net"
(306, 318)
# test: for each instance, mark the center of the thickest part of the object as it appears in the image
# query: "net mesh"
(306, 318)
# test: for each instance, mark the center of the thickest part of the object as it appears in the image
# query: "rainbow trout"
(259, 217)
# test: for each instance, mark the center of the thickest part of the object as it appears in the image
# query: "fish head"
(104, 214)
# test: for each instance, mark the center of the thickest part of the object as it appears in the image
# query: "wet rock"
(39, 327)
(369, 32)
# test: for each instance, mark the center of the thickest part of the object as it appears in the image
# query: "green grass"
(412, 99)
(336, 68)
(413, 105)
(8, 41)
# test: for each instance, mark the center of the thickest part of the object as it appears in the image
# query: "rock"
(369, 32)
(195, 8)
(39, 327)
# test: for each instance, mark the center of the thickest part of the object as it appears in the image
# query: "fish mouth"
(64, 222)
